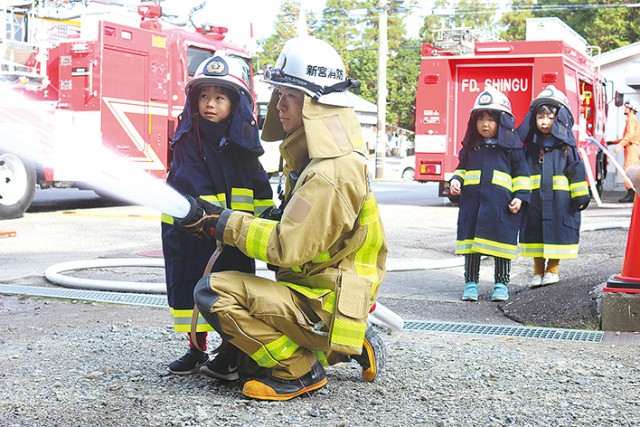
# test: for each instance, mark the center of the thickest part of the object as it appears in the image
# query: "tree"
(602, 23)
(285, 28)
(351, 26)
(515, 21)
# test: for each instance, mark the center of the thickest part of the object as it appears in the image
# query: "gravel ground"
(66, 363)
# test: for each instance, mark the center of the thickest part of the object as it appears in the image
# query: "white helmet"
(632, 104)
(551, 95)
(492, 99)
(313, 66)
(224, 70)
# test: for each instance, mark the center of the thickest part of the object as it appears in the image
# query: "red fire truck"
(457, 67)
(117, 83)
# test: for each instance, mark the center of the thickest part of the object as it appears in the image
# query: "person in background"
(326, 242)
(492, 179)
(216, 149)
(629, 142)
(551, 228)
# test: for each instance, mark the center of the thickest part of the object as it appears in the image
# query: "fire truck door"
(126, 119)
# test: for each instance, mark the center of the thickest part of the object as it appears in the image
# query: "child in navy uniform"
(551, 227)
(492, 179)
(216, 149)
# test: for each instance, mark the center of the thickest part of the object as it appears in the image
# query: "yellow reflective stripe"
(535, 181)
(366, 258)
(560, 183)
(322, 357)
(560, 251)
(218, 199)
(167, 219)
(268, 355)
(520, 183)
(487, 247)
(543, 250)
(242, 199)
(261, 205)
(323, 257)
(579, 189)
(182, 321)
(369, 212)
(282, 348)
(258, 236)
(348, 333)
(472, 177)
(531, 250)
(501, 179)
(314, 293)
(330, 304)
(464, 246)
(461, 173)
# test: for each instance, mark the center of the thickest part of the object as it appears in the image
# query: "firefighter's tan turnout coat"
(329, 246)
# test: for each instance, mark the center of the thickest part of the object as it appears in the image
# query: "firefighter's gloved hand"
(202, 219)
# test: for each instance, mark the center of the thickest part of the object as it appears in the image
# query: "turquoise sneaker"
(500, 292)
(470, 292)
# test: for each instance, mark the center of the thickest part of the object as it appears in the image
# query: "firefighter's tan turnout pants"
(276, 326)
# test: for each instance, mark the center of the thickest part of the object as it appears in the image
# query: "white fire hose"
(380, 316)
(614, 161)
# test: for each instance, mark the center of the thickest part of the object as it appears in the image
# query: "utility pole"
(381, 140)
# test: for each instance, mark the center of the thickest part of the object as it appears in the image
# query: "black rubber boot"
(272, 388)
(629, 197)
(373, 355)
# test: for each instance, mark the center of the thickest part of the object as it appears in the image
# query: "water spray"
(85, 161)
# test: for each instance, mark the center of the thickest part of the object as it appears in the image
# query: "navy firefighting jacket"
(218, 162)
(559, 190)
(491, 175)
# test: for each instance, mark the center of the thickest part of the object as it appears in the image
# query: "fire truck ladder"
(458, 40)
(20, 61)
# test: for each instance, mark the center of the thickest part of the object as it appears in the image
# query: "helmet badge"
(547, 93)
(216, 67)
(485, 99)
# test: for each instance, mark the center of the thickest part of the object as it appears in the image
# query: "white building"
(621, 67)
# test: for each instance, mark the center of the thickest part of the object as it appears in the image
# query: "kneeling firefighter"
(328, 247)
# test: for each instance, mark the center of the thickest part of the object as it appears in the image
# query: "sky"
(239, 15)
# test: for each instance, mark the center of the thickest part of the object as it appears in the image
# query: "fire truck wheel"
(408, 174)
(17, 185)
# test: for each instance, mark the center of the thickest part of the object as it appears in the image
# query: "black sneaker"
(190, 363)
(272, 388)
(373, 355)
(224, 366)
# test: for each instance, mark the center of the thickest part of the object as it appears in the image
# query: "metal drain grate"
(410, 325)
(509, 331)
(85, 295)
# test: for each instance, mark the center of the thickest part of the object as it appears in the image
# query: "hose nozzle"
(195, 212)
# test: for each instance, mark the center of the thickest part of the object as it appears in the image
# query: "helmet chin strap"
(278, 76)
(338, 87)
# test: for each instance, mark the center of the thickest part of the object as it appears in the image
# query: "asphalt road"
(424, 281)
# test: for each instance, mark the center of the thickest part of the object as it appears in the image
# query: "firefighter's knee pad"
(205, 298)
